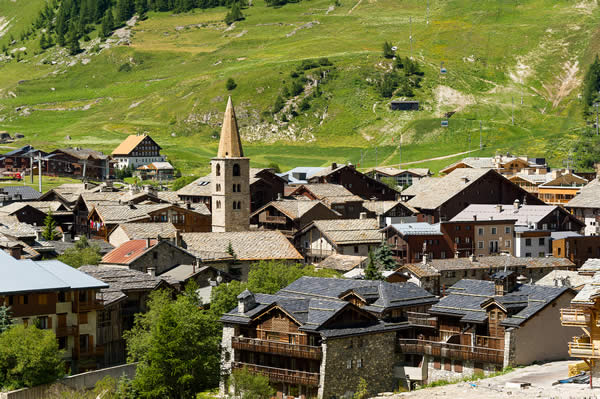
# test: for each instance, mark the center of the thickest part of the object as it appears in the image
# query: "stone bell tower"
(230, 172)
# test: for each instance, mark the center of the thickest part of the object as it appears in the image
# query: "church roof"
(230, 145)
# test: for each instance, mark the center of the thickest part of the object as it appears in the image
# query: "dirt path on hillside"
(427, 160)
(356, 5)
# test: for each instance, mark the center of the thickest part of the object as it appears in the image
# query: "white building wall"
(125, 162)
(535, 249)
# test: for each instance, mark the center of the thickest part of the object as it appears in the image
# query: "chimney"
(188, 205)
(151, 271)
(464, 179)
(148, 242)
(279, 197)
(424, 259)
(473, 258)
(475, 217)
(517, 204)
(16, 252)
(363, 215)
(246, 301)
(499, 207)
(333, 165)
(178, 240)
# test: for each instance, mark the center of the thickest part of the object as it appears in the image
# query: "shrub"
(126, 67)
(230, 84)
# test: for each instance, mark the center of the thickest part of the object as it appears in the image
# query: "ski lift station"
(397, 105)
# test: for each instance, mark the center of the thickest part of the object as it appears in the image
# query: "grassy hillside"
(529, 53)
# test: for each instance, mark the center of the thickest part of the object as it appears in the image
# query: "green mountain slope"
(503, 58)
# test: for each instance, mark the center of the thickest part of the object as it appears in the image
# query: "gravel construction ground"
(540, 377)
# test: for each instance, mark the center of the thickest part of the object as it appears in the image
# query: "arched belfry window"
(236, 169)
(218, 170)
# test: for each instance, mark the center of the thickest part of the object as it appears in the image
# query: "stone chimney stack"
(246, 301)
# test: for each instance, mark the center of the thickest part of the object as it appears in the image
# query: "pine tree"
(49, 233)
(384, 258)
(72, 41)
(141, 7)
(279, 104)
(108, 23)
(387, 50)
(230, 84)
(125, 10)
(43, 41)
(592, 83)
(235, 14)
(371, 271)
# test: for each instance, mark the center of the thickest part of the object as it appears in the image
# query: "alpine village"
(406, 204)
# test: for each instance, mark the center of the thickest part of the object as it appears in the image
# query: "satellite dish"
(219, 279)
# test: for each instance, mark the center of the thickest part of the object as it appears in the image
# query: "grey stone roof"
(343, 262)
(349, 231)
(591, 265)
(247, 245)
(466, 297)
(111, 214)
(558, 277)
(432, 192)
(293, 209)
(136, 231)
(120, 280)
(389, 171)
(44, 206)
(313, 301)
(383, 207)
(27, 193)
(61, 246)
(200, 187)
(496, 262)
(588, 196)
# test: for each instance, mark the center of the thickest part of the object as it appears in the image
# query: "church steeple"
(230, 145)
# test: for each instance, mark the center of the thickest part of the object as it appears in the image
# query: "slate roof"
(27, 193)
(497, 262)
(523, 215)
(43, 206)
(466, 297)
(82, 153)
(343, 262)
(200, 187)
(432, 192)
(349, 231)
(389, 171)
(589, 293)
(293, 209)
(34, 276)
(313, 301)
(247, 245)
(308, 171)
(61, 246)
(416, 229)
(383, 207)
(420, 269)
(591, 265)
(181, 273)
(574, 278)
(326, 190)
(588, 196)
(112, 214)
(120, 281)
(136, 231)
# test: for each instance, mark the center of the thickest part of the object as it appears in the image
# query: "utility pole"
(31, 167)
(480, 142)
(39, 173)
(400, 153)
(84, 167)
(410, 34)
(427, 14)
(469, 145)
(513, 110)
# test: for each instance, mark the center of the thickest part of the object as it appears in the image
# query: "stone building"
(318, 336)
(484, 326)
(230, 179)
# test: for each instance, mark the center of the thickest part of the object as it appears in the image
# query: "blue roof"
(414, 229)
(31, 276)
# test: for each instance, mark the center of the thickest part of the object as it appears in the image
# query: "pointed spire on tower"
(230, 145)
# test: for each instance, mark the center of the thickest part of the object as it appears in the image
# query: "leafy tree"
(49, 233)
(223, 297)
(387, 50)
(82, 253)
(5, 319)
(230, 84)
(108, 23)
(371, 271)
(29, 357)
(279, 104)
(362, 390)
(304, 104)
(235, 14)
(391, 182)
(247, 385)
(174, 335)
(384, 258)
(182, 182)
(274, 166)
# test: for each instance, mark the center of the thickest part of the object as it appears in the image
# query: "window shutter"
(49, 322)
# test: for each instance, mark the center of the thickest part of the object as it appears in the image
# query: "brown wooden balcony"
(65, 331)
(281, 375)
(421, 319)
(86, 306)
(96, 351)
(451, 351)
(266, 218)
(582, 347)
(279, 348)
(574, 317)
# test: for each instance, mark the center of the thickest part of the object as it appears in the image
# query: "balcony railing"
(421, 319)
(280, 348)
(451, 351)
(67, 331)
(86, 306)
(265, 218)
(574, 317)
(583, 349)
(95, 351)
(281, 375)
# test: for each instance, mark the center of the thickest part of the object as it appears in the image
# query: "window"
(83, 296)
(62, 342)
(349, 364)
(558, 251)
(457, 240)
(507, 230)
(359, 363)
(24, 300)
(507, 243)
(218, 204)
(494, 230)
(218, 187)
(42, 322)
(239, 188)
(82, 318)
(457, 228)
(235, 188)
(218, 170)
(443, 254)
(468, 227)
(83, 342)
(542, 241)
(528, 242)
(480, 244)
(236, 169)
(155, 255)
(42, 299)
(234, 204)
(528, 254)
(467, 240)
(480, 231)
(356, 249)
(62, 296)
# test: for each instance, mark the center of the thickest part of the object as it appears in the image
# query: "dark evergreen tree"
(279, 104)
(387, 50)
(125, 9)
(72, 41)
(385, 258)
(108, 23)
(371, 271)
(43, 41)
(591, 83)
(141, 7)
(235, 14)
